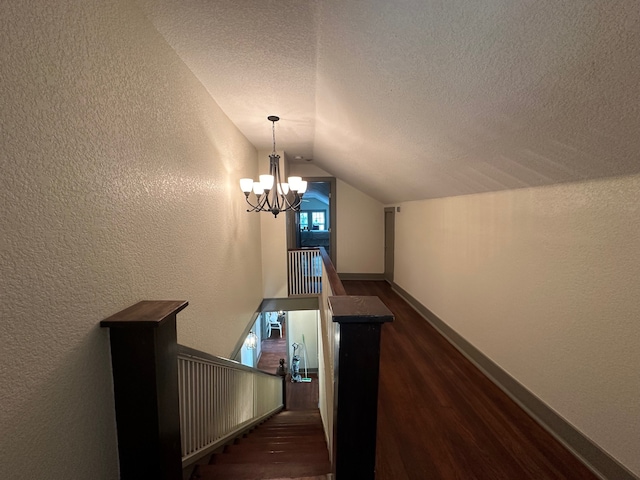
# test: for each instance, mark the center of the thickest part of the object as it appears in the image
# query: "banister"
(193, 353)
(358, 324)
(219, 399)
(336, 284)
(145, 379)
(149, 371)
(352, 337)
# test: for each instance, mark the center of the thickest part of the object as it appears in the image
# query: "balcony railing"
(304, 272)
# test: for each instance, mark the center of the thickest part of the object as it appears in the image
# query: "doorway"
(274, 334)
(389, 242)
(314, 225)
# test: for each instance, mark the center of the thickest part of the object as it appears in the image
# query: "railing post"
(282, 372)
(356, 367)
(145, 377)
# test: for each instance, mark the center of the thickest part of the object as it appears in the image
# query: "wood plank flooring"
(273, 349)
(439, 417)
(300, 396)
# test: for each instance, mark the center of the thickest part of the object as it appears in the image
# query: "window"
(304, 221)
(317, 219)
(312, 220)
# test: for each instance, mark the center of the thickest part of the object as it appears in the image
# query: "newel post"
(359, 323)
(145, 378)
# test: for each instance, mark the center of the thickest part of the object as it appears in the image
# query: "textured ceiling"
(419, 99)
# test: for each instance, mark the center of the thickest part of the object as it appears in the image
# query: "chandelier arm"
(254, 208)
(267, 202)
(284, 204)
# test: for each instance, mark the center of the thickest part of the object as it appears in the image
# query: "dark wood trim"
(359, 309)
(596, 459)
(146, 313)
(356, 369)
(334, 280)
(361, 276)
(144, 358)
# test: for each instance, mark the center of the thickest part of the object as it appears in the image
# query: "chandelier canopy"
(284, 197)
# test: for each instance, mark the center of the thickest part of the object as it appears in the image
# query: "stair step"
(301, 427)
(317, 457)
(288, 446)
(277, 447)
(287, 433)
(258, 472)
(281, 439)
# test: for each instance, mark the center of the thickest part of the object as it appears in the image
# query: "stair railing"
(304, 272)
(220, 398)
(349, 342)
(174, 404)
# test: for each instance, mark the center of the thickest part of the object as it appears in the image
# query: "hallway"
(440, 418)
(300, 396)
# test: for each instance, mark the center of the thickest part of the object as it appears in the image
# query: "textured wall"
(360, 234)
(118, 183)
(545, 282)
(273, 240)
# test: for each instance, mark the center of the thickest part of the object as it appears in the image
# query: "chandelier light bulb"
(258, 189)
(294, 183)
(283, 188)
(266, 181)
(246, 184)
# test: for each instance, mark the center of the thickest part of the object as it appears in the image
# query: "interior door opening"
(314, 224)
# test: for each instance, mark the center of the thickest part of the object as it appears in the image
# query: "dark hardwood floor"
(273, 349)
(300, 396)
(439, 417)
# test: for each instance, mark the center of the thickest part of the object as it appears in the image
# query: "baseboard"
(596, 459)
(361, 276)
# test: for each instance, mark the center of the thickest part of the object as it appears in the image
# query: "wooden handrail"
(148, 312)
(336, 284)
(192, 352)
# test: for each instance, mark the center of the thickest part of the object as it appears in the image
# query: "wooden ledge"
(149, 313)
(336, 284)
(357, 309)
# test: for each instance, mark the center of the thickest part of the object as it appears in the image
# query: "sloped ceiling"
(414, 99)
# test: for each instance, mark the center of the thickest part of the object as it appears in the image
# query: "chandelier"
(286, 196)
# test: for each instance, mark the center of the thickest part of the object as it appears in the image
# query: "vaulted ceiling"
(413, 99)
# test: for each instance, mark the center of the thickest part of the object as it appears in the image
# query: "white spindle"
(217, 400)
(304, 272)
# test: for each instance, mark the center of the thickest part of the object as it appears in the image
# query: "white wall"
(360, 234)
(359, 226)
(545, 282)
(274, 241)
(299, 323)
(119, 183)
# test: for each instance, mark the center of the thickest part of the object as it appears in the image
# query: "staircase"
(290, 445)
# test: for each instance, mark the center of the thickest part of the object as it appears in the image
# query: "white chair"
(273, 323)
